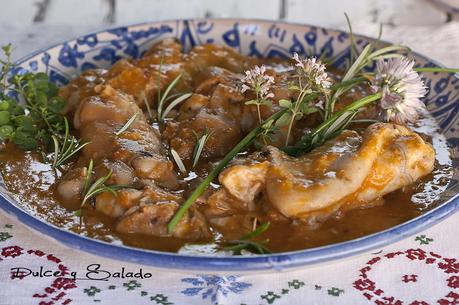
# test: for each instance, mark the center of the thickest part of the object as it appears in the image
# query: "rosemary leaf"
(216, 170)
(147, 105)
(127, 124)
(258, 231)
(165, 94)
(436, 69)
(88, 177)
(90, 191)
(174, 103)
(199, 147)
(178, 160)
(246, 242)
(70, 146)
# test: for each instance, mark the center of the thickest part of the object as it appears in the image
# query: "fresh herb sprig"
(32, 124)
(247, 243)
(178, 160)
(310, 80)
(198, 148)
(257, 81)
(330, 128)
(162, 98)
(69, 147)
(90, 190)
(127, 124)
(248, 139)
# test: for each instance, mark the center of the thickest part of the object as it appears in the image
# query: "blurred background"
(428, 26)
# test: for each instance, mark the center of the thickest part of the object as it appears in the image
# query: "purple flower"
(401, 88)
(257, 81)
(311, 72)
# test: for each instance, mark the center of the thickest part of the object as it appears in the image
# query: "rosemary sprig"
(174, 103)
(178, 160)
(70, 146)
(147, 105)
(99, 186)
(162, 97)
(201, 141)
(331, 127)
(88, 177)
(127, 124)
(246, 242)
(217, 169)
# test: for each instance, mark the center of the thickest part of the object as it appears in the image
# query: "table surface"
(422, 269)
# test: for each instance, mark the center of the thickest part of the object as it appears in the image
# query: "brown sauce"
(31, 182)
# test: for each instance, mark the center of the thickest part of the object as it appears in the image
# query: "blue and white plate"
(250, 37)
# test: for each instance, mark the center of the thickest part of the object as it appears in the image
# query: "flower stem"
(214, 173)
(354, 106)
(437, 69)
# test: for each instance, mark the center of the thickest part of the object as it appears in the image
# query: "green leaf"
(25, 123)
(178, 160)
(4, 105)
(251, 102)
(267, 103)
(127, 124)
(24, 140)
(174, 103)
(258, 231)
(285, 103)
(7, 49)
(284, 119)
(6, 131)
(56, 104)
(4, 117)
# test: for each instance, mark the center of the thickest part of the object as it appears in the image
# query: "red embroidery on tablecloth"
(453, 281)
(12, 251)
(409, 278)
(453, 299)
(53, 294)
(370, 291)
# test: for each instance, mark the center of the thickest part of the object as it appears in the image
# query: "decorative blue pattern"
(213, 286)
(257, 38)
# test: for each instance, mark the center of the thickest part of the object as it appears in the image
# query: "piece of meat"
(152, 219)
(225, 134)
(70, 187)
(114, 205)
(348, 172)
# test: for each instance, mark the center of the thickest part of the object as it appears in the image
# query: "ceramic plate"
(250, 37)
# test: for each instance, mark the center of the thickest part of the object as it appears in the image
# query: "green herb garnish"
(99, 186)
(163, 97)
(127, 124)
(247, 243)
(200, 142)
(216, 170)
(174, 103)
(178, 160)
(31, 125)
(69, 147)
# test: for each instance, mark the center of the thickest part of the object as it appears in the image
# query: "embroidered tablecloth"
(420, 270)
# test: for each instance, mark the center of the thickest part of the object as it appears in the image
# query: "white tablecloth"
(423, 269)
